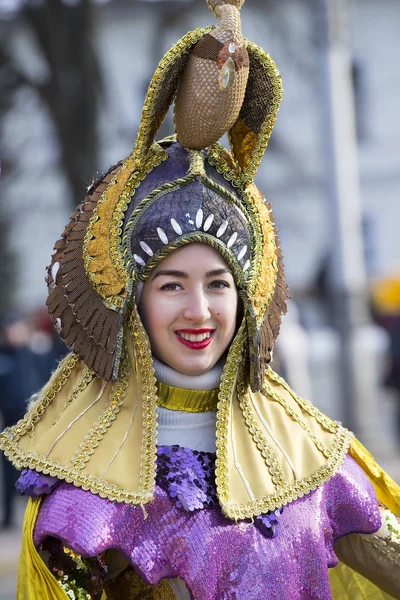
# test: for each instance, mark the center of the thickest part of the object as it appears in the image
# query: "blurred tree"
(7, 263)
(72, 88)
(8, 84)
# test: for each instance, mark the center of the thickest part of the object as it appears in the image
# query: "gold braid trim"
(327, 423)
(222, 160)
(37, 410)
(196, 162)
(148, 458)
(295, 490)
(104, 422)
(227, 386)
(82, 383)
(102, 253)
(387, 539)
(271, 459)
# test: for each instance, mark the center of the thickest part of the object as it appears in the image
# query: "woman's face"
(188, 307)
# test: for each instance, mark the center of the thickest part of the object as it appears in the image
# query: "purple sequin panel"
(217, 558)
(34, 484)
(188, 476)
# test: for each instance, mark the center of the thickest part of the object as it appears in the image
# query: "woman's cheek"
(229, 306)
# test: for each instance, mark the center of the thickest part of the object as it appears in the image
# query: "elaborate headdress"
(186, 188)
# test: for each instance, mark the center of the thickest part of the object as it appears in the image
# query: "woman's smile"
(196, 339)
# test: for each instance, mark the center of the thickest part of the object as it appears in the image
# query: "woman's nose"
(197, 308)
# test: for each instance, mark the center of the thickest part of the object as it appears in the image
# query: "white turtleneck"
(191, 430)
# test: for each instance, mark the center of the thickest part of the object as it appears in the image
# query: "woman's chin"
(192, 368)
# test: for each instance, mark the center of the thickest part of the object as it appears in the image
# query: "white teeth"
(194, 337)
(162, 235)
(139, 260)
(242, 253)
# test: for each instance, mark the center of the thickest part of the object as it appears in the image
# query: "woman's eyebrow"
(171, 273)
(184, 275)
(217, 272)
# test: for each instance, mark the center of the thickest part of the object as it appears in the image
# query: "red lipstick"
(195, 345)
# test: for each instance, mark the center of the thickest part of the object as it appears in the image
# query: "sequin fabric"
(34, 484)
(80, 578)
(188, 476)
(217, 558)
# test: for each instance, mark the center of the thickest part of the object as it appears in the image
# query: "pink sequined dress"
(284, 554)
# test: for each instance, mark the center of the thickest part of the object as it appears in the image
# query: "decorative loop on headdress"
(249, 135)
(161, 92)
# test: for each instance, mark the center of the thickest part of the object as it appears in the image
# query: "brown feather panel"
(88, 327)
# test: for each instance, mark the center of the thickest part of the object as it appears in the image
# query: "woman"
(165, 458)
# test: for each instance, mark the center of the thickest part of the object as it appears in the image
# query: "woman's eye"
(170, 287)
(220, 284)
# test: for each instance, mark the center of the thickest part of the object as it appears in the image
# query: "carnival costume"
(287, 504)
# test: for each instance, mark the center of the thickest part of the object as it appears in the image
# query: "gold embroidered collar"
(194, 401)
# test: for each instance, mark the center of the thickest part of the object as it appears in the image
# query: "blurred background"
(73, 75)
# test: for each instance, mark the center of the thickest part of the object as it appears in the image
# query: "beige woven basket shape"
(204, 112)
